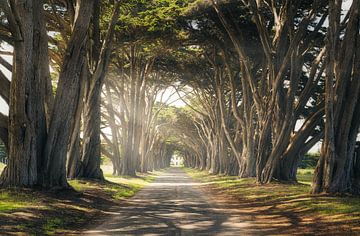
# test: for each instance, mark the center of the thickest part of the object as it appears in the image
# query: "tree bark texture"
(66, 100)
(335, 170)
(27, 123)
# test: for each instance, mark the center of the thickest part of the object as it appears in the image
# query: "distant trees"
(133, 101)
(134, 91)
(271, 92)
(263, 81)
(241, 99)
(272, 83)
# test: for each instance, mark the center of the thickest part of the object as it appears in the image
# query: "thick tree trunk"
(27, 123)
(74, 164)
(214, 161)
(264, 147)
(247, 165)
(65, 101)
(334, 172)
(299, 145)
(91, 149)
(91, 142)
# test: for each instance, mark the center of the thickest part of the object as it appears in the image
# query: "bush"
(309, 160)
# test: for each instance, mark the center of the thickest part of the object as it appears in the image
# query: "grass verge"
(47, 213)
(117, 187)
(288, 201)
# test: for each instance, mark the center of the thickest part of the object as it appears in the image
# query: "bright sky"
(171, 97)
(3, 106)
(347, 4)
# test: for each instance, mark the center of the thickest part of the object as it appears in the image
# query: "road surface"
(173, 204)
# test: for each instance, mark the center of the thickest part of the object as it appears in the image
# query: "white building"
(177, 161)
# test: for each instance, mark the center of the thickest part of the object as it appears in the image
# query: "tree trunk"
(91, 142)
(27, 122)
(129, 165)
(114, 132)
(91, 154)
(74, 164)
(334, 172)
(66, 100)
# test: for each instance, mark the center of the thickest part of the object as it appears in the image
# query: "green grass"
(125, 186)
(83, 185)
(11, 200)
(53, 225)
(36, 213)
(43, 213)
(118, 187)
(117, 191)
(292, 197)
(305, 176)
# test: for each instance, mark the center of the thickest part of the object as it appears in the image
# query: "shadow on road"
(172, 205)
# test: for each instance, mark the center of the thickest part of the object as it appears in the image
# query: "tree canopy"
(260, 82)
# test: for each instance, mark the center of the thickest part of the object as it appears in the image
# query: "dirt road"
(172, 205)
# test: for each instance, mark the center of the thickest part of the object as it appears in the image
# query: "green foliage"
(309, 160)
(178, 124)
(150, 19)
(167, 114)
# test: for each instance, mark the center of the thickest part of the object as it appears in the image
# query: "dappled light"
(179, 117)
(170, 205)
